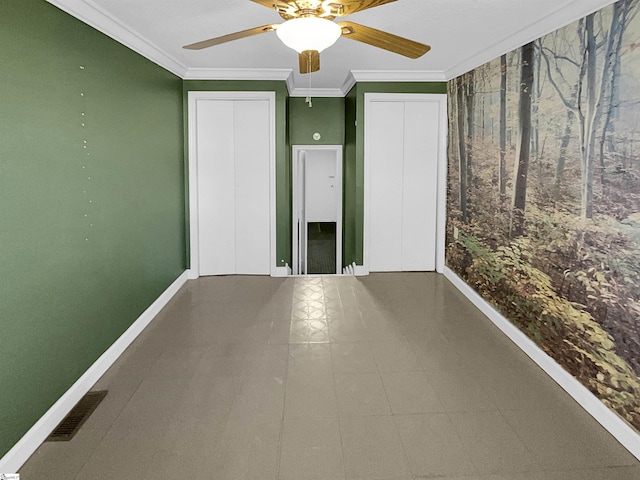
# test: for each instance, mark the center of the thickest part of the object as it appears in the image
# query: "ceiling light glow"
(308, 33)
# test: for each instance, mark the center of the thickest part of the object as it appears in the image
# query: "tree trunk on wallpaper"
(566, 140)
(469, 94)
(502, 173)
(524, 141)
(462, 147)
(564, 145)
(590, 114)
(571, 101)
(535, 95)
(623, 12)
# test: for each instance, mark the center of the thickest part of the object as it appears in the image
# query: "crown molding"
(316, 92)
(398, 76)
(355, 76)
(320, 92)
(554, 20)
(348, 84)
(88, 12)
(312, 92)
(279, 74)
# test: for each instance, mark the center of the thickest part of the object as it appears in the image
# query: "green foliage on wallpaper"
(544, 196)
(526, 295)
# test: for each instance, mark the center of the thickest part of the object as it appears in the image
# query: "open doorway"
(317, 209)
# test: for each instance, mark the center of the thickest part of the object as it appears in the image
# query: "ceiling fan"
(309, 28)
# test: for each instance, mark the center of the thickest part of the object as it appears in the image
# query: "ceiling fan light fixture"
(308, 33)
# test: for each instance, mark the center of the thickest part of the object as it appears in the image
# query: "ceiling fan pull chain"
(308, 99)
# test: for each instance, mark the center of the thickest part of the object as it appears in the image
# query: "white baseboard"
(621, 430)
(192, 274)
(281, 271)
(27, 445)
(357, 270)
(360, 270)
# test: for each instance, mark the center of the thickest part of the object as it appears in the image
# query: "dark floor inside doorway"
(321, 248)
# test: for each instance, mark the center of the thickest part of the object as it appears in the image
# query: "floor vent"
(77, 416)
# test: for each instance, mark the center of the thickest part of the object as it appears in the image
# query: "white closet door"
(385, 168)
(401, 165)
(216, 191)
(252, 187)
(419, 186)
(233, 142)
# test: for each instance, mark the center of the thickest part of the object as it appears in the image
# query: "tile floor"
(391, 376)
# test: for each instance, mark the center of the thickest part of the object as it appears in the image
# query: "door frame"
(194, 98)
(297, 154)
(441, 203)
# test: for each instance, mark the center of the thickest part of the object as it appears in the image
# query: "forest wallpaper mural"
(544, 196)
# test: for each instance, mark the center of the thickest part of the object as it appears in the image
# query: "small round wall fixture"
(317, 136)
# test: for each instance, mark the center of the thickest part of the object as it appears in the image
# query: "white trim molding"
(443, 167)
(348, 84)
(320, 92)
(193, 98)
(29, 443)
(360, 270)
(282, 271)
(621, 430)
(314, 92)
(398, 76)
(98, 18)
(192, 274)
(355, 76)
(278, 74)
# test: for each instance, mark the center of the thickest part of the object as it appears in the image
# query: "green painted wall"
(92, 215)
(325, 117)
(283, 161)
(354, 174)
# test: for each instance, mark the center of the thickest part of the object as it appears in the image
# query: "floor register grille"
(66, 430)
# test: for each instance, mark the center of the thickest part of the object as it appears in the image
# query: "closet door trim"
(441, 205)
(193, 99)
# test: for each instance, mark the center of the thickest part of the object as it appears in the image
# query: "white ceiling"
(462, 33)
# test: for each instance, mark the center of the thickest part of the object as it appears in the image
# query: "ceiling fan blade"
(384, 40)
(230, 37)
(340, 8)
(309, 61)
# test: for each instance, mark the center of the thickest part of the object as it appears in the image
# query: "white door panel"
(252, 187)
(215, 187)
(386, 127)
(233, 143)
(419, 186)
(321, 193)
(402, 165)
